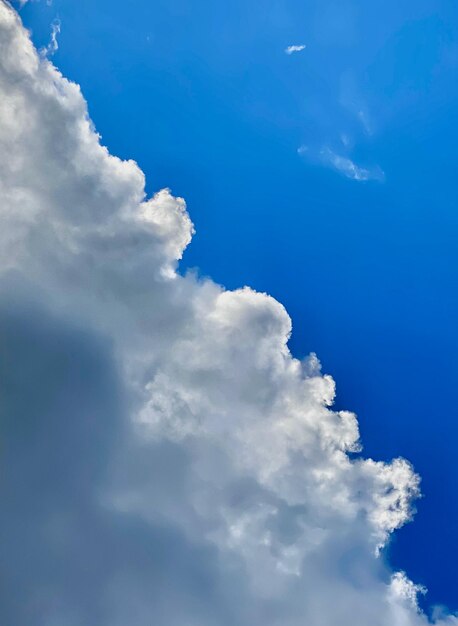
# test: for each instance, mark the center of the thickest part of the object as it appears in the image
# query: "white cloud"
(24, 2)
(292, 49)
(53, 44)
(343, 164)
(231, 445)
(404, 589)
(348, 168)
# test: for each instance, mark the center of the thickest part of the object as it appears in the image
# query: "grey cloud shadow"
(66, 558)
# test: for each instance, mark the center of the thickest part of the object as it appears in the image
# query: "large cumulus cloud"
(165, 458)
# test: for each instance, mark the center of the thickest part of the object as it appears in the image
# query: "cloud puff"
(292, 49)
(168, 459)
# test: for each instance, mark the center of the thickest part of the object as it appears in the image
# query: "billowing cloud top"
(167, 460)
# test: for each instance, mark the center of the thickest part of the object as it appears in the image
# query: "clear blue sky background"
(203, 96)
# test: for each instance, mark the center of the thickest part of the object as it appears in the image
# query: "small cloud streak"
(344, 165)
(291, 49)
(348, 168)
(53, 45)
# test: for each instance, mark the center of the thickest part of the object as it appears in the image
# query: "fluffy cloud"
(168, 460)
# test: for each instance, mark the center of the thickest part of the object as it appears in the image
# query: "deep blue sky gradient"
(202, 95)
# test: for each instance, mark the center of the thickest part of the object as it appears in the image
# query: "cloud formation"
(53, 44)
(343, 164)
(167, 460)
(348, 168)
(292, 49)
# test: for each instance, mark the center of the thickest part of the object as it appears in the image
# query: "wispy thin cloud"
(349, 168)
(343, 164)
(365, 122)
(24, 2)
(292, 49)
(53, 44)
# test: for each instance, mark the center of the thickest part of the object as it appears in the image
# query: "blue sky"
(326, 178)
